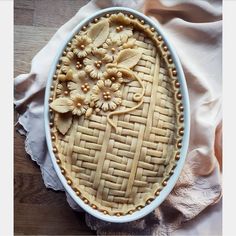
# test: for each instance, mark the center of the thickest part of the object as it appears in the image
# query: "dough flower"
(82, 45)
(114, 75)
(95, 63)
(106, 95)
(80, 104)
(113, 47)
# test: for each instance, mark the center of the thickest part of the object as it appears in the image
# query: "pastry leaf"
(63, 122)
(99, 32)
(128, 58)
(62, 105)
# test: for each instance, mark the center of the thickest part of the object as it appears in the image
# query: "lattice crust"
(120, 170)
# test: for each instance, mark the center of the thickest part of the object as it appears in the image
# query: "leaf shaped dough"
(63, 122)
(128, 58)
(99, 32)
(62, 105)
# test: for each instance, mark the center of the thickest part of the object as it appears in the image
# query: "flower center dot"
(119, 28)
(78, 65)
(85, 87)
(107, 95)
(98, 64)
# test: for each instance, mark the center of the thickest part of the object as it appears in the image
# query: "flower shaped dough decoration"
(80, 83)
(113, 74)
(122, 28)
(112, 47)
(82, 45)
(71, 68)
(95, 63)
(80, 104)
(106, 95)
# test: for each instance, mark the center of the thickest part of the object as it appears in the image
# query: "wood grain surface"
(37, 210)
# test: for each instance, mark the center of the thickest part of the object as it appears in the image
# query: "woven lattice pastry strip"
(116, 114)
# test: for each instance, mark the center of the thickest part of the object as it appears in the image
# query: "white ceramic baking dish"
(171, 182)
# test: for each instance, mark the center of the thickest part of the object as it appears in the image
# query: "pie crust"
(116, 114)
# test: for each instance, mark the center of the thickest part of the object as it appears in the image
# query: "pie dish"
(117, 115)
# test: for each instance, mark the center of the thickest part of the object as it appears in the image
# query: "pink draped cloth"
(195, 30)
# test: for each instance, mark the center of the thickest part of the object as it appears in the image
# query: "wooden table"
(38, 210)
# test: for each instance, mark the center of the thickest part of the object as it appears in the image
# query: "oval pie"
(116, 113)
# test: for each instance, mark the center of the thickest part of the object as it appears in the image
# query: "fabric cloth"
(195, 30)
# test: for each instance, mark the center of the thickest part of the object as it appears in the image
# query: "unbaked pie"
(116, 114)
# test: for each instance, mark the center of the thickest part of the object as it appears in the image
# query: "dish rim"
(185, 140)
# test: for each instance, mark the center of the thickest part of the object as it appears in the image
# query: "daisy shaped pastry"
(80, 104)
(122, 28)
(114, 75)
(81, 83)
(81, 45)
(113, 47)
(106, 95)
(95, 63)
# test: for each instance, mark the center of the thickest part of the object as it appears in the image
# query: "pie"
(116, 114)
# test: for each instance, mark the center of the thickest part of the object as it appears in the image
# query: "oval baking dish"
(117, 115)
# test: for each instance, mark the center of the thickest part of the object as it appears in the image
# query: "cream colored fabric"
(195, 29)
